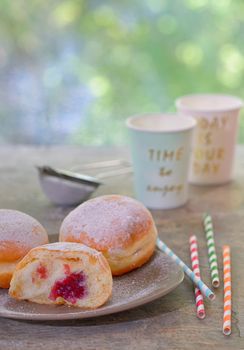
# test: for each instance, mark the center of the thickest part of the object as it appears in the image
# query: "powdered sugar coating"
(21, 228)
(70, 246)
(110, 221)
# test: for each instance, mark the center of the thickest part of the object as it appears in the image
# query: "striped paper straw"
(195, 279)
(212, 257)
(196, 270)
(227, 291)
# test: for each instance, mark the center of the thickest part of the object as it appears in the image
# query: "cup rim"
(192, 122)
(237, 103)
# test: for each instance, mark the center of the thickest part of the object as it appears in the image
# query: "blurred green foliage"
(73, 70)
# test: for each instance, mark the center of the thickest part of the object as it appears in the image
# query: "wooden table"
(169, 322)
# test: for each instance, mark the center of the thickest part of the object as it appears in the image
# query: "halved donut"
(63, 273)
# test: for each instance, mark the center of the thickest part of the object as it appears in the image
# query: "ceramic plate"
(153, 280)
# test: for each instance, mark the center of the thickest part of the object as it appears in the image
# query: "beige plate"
(153, 280)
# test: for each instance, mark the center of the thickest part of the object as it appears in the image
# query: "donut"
(120, 227)
(19, 233)
(63, 273)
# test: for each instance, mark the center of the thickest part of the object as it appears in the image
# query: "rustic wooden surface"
(169, 322)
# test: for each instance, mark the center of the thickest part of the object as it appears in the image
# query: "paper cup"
(214, 138)
(161, 146)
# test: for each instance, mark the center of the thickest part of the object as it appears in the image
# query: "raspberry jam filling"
(42, 271)
(70, 288)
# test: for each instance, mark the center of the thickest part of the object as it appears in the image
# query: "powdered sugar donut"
(118, 226)
(19, 233)
(63, 273)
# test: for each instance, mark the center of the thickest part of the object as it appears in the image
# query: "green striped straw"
(212, 256)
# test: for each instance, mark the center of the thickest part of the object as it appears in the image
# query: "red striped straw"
(196, 269)
(227, 291)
